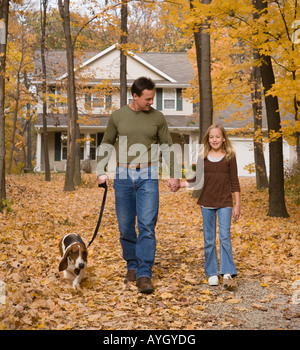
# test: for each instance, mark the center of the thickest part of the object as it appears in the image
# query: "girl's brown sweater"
(220, 181)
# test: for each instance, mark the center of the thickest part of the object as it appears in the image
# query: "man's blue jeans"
(209, 230)
(137, 196)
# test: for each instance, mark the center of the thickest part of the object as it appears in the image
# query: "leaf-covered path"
(266, 252)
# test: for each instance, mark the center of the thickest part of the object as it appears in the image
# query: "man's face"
(144, 102)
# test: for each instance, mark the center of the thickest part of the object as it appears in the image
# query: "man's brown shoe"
(144, 285)
(130, 277)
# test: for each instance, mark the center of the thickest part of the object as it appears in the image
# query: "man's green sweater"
(138, 137)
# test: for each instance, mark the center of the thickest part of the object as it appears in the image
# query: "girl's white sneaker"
(213, 280)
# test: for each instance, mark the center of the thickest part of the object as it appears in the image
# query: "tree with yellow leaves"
(18, 97)
(234, 34)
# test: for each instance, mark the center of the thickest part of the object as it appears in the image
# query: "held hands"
(174, 184)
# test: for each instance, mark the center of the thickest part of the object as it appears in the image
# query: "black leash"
(101, 213)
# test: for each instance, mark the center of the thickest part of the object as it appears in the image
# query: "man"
(138, 129)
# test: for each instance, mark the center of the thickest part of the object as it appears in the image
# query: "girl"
(220, 181)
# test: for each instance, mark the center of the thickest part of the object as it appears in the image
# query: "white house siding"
(245, 154)
(110, 68)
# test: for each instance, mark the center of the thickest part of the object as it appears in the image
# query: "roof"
(173, 67)
(175, 122)
(175, 64)
(56, 62)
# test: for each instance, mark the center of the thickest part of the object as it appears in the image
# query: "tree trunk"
(29, 166)
(15, 117)
(206, 102)
(4, 9)
(44, 88)
(202, 44)
(27, 128)
(123, 57)
(256, 96)
(277, 206)
(73, 176)
(197, 38)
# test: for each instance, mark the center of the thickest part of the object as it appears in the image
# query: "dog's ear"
(64, 263)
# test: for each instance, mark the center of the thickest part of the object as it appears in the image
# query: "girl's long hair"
(227, 146)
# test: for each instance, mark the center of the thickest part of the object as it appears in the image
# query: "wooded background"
(247, 48)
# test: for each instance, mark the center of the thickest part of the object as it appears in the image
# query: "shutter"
(179, 99)
(99, 138)
(57, 151)
(159, 97)
(107, 101)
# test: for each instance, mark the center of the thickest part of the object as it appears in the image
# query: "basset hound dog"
(73, 258)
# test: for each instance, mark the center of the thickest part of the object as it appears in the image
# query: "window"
(129, 96)
(88, 145)
(57, 97)
(169, 98)
(97, 99)
(82, 142)
(92, 100)
(52, 96)
(64, 145)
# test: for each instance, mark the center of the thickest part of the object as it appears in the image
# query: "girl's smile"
(216, 139)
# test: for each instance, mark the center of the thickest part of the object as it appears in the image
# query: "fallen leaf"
(290, 314)
(259, 307)
(233, 301)
(265, 285)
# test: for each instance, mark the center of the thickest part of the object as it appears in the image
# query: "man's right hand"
(102, 179)
(174, 184)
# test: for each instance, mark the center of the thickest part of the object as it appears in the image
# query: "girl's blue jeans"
(210, 251)
(137, 197)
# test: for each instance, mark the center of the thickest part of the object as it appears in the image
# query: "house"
(98, 96)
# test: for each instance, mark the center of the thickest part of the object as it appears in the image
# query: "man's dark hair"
(141, 84)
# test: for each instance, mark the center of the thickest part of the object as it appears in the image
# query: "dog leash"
(101, 212)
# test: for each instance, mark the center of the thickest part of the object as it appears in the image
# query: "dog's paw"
(76, 286)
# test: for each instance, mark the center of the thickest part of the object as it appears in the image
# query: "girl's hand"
(184, 184)
(237, 208)
(235, 213)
